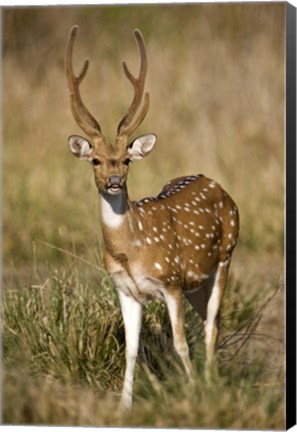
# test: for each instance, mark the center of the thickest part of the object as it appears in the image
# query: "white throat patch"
(112, 209)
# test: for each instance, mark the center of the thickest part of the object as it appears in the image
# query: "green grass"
(64, 328)
(215, 77)
(63, 337)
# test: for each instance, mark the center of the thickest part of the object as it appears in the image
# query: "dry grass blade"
(242, 334)
(73, 255)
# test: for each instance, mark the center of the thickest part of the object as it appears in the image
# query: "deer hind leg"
(212, 317)
(132, 314)
(175, 308)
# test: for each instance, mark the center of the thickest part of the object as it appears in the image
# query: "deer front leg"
(132, 313)
(176, 313)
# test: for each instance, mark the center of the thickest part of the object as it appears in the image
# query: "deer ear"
(142, 146)
(80, 147)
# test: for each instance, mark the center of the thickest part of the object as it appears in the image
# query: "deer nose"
(114, 180)
(114, 184)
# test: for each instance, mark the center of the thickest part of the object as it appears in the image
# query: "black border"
(290, 215)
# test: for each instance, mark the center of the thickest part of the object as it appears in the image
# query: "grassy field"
(216, 78)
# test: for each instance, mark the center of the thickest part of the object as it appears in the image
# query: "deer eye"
(127, 161)
(96, 162)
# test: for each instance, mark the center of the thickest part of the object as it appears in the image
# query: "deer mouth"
(114, 189)
(114, 185)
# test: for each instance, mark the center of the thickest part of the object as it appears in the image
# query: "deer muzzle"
(114, 184)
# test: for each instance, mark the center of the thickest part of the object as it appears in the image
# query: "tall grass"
(64, 340)
(217, 101)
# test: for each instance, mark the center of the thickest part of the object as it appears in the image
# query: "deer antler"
(131, 121)
(82, 116)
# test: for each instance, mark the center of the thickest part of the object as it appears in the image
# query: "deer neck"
(114, 209)
(119, 222)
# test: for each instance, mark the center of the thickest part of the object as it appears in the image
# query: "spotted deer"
(177, 243)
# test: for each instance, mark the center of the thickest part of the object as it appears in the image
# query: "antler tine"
(129, 122)
(82, 116)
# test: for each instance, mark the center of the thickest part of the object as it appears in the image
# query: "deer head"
(110, 161)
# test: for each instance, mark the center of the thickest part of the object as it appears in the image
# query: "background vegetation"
(216, 78)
